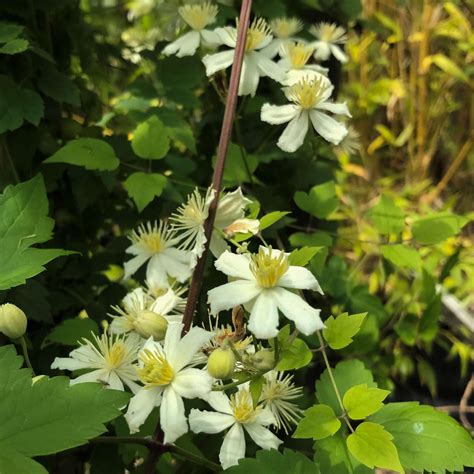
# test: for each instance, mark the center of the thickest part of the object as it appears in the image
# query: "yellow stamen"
(298, 54)
(199, 16)
(156, 369)
(115, 354)
(307, 94)
(329, 32)
(154, 237)
(268, 268)
(257, 32)
(242, 406)
(285, 28)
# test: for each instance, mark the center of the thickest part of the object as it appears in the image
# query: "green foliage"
(301, 257)
(386, 216)
(318, 422)
(426, 439)
(360, 401)
(294, 352)
(437, 227)
(321, 200)
(402, 256)
(144, 187)
(151, 140)
(340, 331)
(71, 331)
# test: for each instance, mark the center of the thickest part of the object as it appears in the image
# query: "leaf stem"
(220, 388)
(24, 348)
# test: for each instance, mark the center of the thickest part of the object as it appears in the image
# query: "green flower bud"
(221, 363)
(149, 323)
(264, 359)
(12, 321)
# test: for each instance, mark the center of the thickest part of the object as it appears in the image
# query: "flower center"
(268, 268)
(242, 406)
(329, 33)
(307, 94)
(284, 28)
(156, 370)
(199, 16)
(115, 355)
(153, 238)
(298, 54)
(257, 33)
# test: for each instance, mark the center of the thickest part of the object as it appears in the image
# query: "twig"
(463, 403)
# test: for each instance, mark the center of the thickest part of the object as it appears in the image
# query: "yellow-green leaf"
(340, 331)
(361, 401)
(318, 422)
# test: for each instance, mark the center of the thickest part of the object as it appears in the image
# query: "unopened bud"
(149, 323)
(221, 363)
(264, 359)
(12, 321)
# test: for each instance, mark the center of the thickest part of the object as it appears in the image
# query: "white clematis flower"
(197, 17)
(238, 414)
(155, 243)
(261, 281)
(310, 99)
(256, 62)
(112, 358)
(165, 371)
(284, 29)
(329, 36)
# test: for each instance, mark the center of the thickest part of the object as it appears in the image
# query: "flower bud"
(149, 323)
(12, 321)
(264, 359)
(221, 363)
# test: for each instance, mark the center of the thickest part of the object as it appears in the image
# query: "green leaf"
(23, 223)
(271, 461)
(427, 439)
(294, 353)
(437, 227)
(150, 139)
(9, 31)
(71, 331)
(17, 105)
(386, 216)
(144, 187)
(271, 218)
(429, 322)
(301, 257)
(446, 65)
(321, 200)
(12, 462)
(91, 153)
(361, 401)
(255, 387)
(373, 446)
(402, 256)
(318, 422)
(239, 166)
(59, 87)
(37, 419)
(15, 46)
(346, 374)
(340, 331)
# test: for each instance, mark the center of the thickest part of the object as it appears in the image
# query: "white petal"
(327, 127)
(250, 76)
(95, 376)
(69, 363)
(338, 53)
(141, 405)
(294, 134)
(322, 51)
(209, 421)
(220, 402)
(165, 303)
(132, 265)
(176, 263)
(263, 321)
(218, 61)
(188, 346)
(184, 46)
(272, 49)
(265, 417)
(305, 317)
(335, 108)
(171, 342)
(270, 68)
(218, 245)
(192, 383)
(263, 437)
(297, 75)
(227, 35)
(278, 114)
(156, 272)
(230, 208)
(234, 265)
(172, 417)
(233, 447)
(231, 295)
(300, 278)
(113, 381)
(210, 38)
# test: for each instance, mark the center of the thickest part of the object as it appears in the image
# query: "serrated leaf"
(372, 445)
(91, 153)
(386, 216)
(239, 166)
(361, 401)
(294, 353)
(15, 46)
(437, 227)
(318, 422)
(9, 31)
(12, 462)
(71, 331)
(346, 374)
(271, 218)
(271, 461)
(150, 139)
(144, 187)
(321, 200)
(402, 256)
(427, 439)
(340, 331)
(59, 87)
(301, 257)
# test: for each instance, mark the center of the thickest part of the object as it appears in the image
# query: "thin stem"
(146, 441)
(24, 348)
(220, 388)
(193, 457)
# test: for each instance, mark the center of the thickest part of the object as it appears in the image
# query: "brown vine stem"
(226, 131)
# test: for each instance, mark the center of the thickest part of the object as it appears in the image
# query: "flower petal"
(132, 265)
(220, 402)
(230, 208)
(335, 108)
(338, 53)
(263, 321)
(188, 346)
(165, 303)
(209, 421)
(177, 263)
(327, 127)
(300, 278)
(210, 38)
(171, 342)
(305, 317)
(321, 51)
(270, 68)
(218, 245)
(95, 376)
(227, 35)
(186, 45)
(231, 295)
(262, 436)
(234, 265)
(172, 416)
(250, 76)
(218, 61)
(156, 272)
(233, 447)
(192, 383)
(278, 114)
(141, 405)
(293, 135)
(70, 363)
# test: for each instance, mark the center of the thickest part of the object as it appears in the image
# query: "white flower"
(284, 29)
(278, 391)
(112, 357)
(236, 413)
(351, 142)
(309, 99)
(197, 17)
(329, 36)
(168, 379)
(261, 281)
(155, 242)
(256, 62)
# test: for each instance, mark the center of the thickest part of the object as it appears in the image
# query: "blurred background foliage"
(387, 212)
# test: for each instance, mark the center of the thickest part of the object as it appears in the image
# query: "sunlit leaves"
(10, 43)
(318, 422)
(361, 401)
(340, 331)
(386, 216)
(437, 227)
(402, 256)
(294, 352)
(301, 257)
(144, 187)
(321, 200)
(151, 140)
